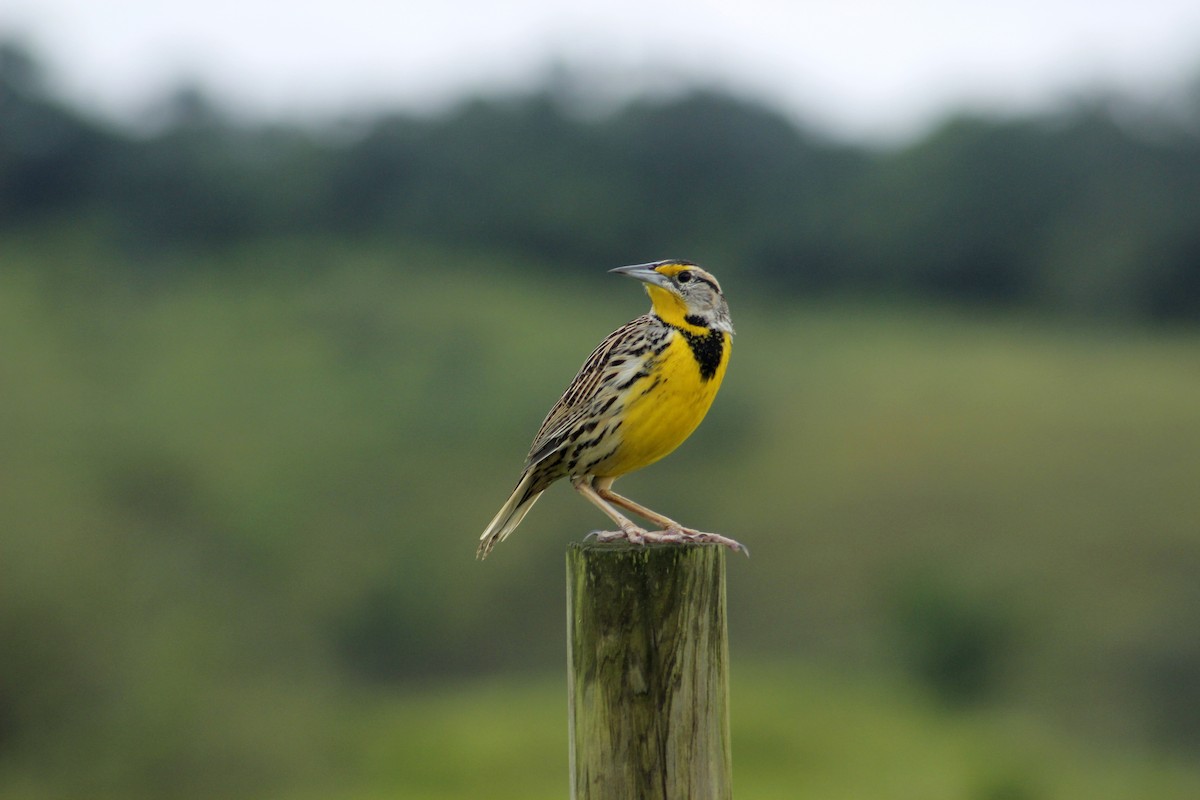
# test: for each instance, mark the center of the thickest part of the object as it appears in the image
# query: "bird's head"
(683, 294)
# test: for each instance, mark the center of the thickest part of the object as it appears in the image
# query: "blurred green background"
(262, 386)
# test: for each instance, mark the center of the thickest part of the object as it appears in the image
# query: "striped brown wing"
(594, 389)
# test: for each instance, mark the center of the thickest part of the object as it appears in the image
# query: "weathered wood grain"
(648, 672)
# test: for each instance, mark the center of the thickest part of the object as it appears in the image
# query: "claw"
(634, 535)
(683, 535)
(669, 536)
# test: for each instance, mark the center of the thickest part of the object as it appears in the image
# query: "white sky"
(865, 68)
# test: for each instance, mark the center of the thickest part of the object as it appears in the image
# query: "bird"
(636, 398)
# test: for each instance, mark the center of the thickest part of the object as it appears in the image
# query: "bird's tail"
(509, 516)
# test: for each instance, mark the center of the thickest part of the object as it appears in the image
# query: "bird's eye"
(684, 276)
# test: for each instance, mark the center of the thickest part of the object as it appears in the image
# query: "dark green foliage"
(951, 641)
(1172, 677)
(51, 157)
(1081, 211)
(377, 641)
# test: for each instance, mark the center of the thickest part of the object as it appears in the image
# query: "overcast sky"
(864, 68)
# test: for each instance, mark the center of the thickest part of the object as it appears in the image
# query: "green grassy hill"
(797, 732)
(240, 505)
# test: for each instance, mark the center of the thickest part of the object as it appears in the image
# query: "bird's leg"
(672, 531)
(629, 531)
(603, 488)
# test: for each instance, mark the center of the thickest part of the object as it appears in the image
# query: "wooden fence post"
(647, 659)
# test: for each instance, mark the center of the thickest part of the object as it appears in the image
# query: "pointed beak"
(645, 273)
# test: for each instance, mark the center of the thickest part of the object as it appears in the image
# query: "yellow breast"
(661, 410)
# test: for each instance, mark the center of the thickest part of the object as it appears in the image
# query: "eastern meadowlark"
(636, 398)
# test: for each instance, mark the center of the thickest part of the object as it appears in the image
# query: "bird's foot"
(682, 535)
(671, 535)
(632, 534)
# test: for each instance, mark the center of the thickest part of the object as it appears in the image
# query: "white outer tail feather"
(508, 517)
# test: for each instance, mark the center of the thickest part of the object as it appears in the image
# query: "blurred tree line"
(1093, 210)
